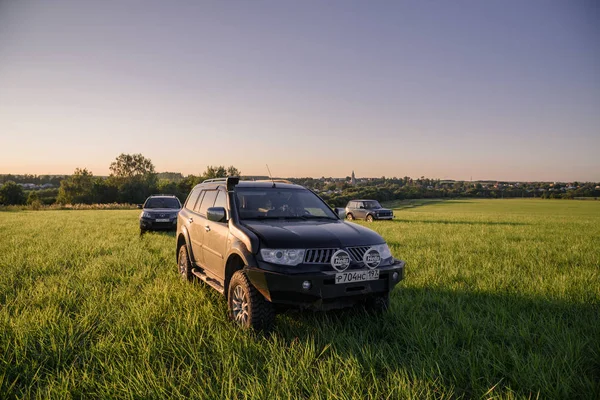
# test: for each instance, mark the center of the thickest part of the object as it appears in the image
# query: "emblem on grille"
(340, 260)
(372, 258)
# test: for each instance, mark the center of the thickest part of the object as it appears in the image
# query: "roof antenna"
(270, 176)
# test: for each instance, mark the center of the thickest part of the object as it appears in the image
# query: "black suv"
(266, 243)
(159, 212)
(368, 210)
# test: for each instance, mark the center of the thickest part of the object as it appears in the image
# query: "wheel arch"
(235, 262)
(183, 239)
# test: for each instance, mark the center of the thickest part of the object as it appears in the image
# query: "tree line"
(132, 179)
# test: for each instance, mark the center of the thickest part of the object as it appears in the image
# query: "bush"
(12, 194)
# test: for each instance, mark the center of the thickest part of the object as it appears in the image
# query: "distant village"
(338, 191)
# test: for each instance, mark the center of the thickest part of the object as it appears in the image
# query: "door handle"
(190, 220)
(206, 228)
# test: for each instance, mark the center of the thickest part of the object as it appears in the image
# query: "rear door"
(186, 218)
(196, 234)
(199, 225)
(215, 240)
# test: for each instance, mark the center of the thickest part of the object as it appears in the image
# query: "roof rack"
(276, 181)
(163, 194)
(230, 181)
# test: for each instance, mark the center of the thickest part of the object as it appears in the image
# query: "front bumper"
(382, 217)
(324, 293)
(149, 224)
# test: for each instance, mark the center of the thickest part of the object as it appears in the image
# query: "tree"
(12, 194)
(233, 171)
(134, 176)
(77, 189)
(132, 165)
(220, 172)
(33, 196)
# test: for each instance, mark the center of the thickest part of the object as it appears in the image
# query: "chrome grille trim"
(318, 256)
(358, 252)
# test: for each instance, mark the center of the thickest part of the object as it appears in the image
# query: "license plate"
(357, 276)
(162, 220)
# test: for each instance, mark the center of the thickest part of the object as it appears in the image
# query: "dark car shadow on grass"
(162, 233)
(468, 341)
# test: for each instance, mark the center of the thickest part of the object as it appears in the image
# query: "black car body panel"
(324, 293)
(256, 221)
(312, 234)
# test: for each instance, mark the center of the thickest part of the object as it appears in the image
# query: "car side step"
(210, 281)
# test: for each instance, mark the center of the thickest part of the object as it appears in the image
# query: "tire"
(184, 267)
(378, 304)
(349, 216)
(247, 307)
(370, 218)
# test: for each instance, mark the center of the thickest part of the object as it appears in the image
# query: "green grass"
(501, 300)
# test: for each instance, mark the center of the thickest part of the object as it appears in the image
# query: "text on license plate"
(162, 220)
(357, 276)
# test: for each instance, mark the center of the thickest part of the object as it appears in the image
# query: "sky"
(503, 90)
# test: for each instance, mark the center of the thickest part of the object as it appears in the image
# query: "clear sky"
(506, 90)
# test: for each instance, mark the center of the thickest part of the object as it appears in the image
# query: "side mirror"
(216, 214)
(341, 212)
(140, 206)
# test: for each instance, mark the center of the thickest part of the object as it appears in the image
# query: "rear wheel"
(247, 307)
(350, 217)
(184, 266)
(369, 218)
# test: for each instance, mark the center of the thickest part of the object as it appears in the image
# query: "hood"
(286, 234)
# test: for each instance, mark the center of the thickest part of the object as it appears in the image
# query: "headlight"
(384, 251)
(146, 215)
(283, 256)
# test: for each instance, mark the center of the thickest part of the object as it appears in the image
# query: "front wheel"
(369, 218)
(247, 307)
(349, 217)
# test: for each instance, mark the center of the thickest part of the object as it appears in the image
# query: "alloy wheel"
(240, 306)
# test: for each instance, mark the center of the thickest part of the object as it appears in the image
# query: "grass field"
(501, 300)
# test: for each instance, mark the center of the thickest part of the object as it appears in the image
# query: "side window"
(221, 200)
(207, 201)
(199, 201)
(352, 204)
(192, 198)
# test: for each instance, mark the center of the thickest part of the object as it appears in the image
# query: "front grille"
(318, 256)
(358, 252)
(385, 213)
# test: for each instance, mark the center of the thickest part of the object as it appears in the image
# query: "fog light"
(306, 285)
(395, 276)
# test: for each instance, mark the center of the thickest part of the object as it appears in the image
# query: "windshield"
(369, 205)
(271, 203)
(163, 202)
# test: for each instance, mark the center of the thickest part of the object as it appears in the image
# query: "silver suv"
(369, 210)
